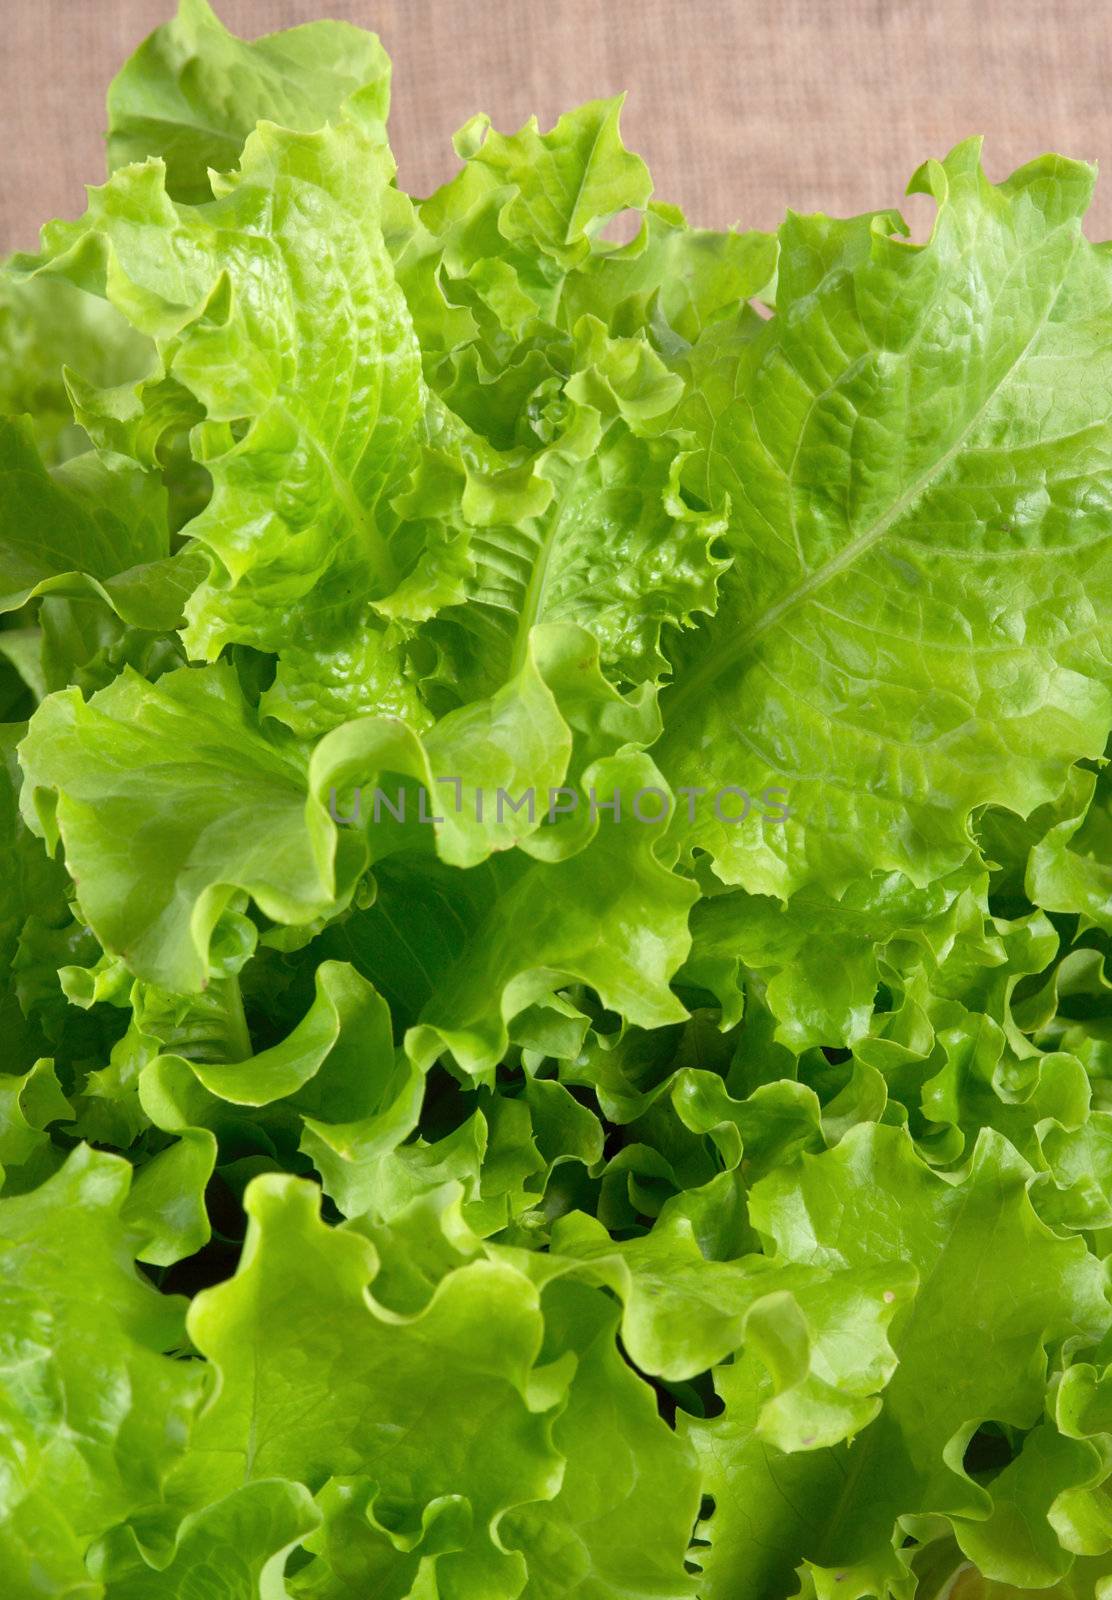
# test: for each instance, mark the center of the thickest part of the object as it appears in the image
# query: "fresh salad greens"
(554, 1022)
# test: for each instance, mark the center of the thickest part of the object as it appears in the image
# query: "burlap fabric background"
(741, 107)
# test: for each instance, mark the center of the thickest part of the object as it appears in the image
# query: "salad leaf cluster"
(557, 871)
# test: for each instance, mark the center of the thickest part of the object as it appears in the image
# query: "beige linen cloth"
(741, 107)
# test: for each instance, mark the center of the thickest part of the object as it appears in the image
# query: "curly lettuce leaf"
(308, 381)
(95, 525)
(95, 1412)
(913, 451)
(157, 847)
(996, 1289)
(443, 1414)
(47, 329)
(193, 93)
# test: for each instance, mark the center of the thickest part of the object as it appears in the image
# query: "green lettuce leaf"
(193, 92)
(884, 649)
(235, 1549)
(443, 1414)
(158, 849)
(95, 1413)
(95, 525)
(996, 1289)
(305, 451)
(46, 327)
(620, 1525)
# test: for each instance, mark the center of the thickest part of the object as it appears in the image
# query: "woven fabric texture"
(741, 107)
